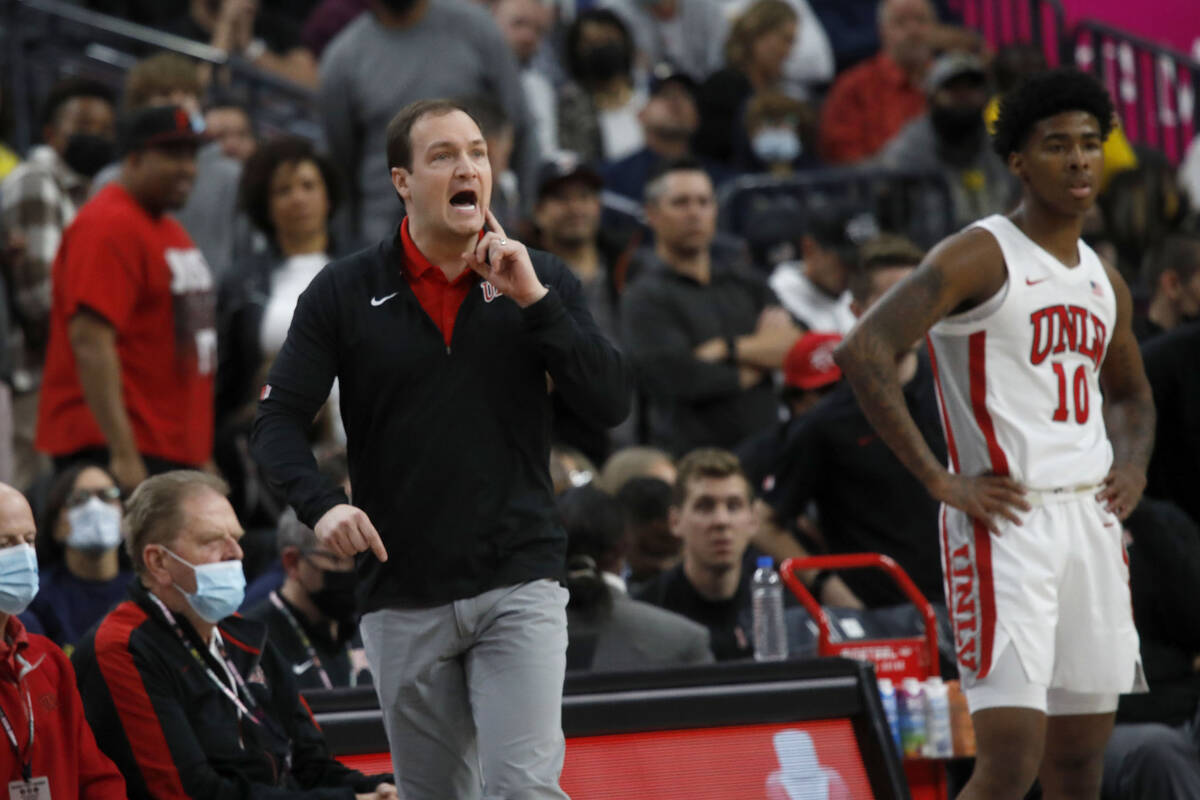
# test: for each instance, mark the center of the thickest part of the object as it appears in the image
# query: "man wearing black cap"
(951, 138)
(128, 376)
(814, 289)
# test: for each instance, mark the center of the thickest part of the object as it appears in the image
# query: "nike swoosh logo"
(378, 301)
(300, 669)
(1035, 283)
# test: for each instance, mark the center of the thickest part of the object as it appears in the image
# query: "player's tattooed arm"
(960, 273)
(1128, 409)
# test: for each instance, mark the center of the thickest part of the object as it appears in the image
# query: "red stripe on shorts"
(987, 596)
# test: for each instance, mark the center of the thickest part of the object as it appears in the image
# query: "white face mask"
(776, 145)
(95, 526)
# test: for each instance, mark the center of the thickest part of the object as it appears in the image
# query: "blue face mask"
(18, 578)
(220, 589)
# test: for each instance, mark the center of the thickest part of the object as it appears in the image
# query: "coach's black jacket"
(173, 734)
(448, 446)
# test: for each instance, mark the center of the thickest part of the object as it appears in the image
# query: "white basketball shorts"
(1055, 591)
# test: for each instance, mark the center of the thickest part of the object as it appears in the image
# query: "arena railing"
(45, 40)
(772, 214)
(1006, 22)
(1154, 87)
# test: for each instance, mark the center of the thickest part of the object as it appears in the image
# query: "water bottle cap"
(765, 562)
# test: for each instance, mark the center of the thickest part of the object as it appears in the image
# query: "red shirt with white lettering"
(144, 276)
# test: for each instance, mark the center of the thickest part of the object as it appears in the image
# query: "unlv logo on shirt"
(1059, 329)
(490, 292)
(195, 306)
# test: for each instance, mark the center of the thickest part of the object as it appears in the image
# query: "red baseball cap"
(809, 364)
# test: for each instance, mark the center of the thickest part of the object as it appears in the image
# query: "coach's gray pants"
(471, 693)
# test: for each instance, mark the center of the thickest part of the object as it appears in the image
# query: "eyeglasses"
(109, 494)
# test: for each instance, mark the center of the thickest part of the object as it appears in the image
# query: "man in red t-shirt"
(128, 380)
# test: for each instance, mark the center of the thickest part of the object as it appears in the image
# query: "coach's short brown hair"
(154, 512)
(399, 130)
(706, 462)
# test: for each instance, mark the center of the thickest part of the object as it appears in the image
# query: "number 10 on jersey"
(1079, 393)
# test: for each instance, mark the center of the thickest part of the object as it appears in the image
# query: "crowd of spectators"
(155, 245)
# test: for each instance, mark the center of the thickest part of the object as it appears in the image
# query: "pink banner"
(1171, 22)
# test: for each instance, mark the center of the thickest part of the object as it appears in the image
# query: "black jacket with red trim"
(174, 734)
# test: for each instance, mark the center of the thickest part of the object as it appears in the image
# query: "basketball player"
(1026, 327)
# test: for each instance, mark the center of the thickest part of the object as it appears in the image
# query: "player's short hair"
(1178, 252)
(399, 130)
(882, 251)
(1045, 94)
(67, 90)
(706, 462)
(154, 512)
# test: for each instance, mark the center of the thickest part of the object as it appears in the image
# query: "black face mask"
(954, 124)
(87, 153)
(604, 62)
(335, 598)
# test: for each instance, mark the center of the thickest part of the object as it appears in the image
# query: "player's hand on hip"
(505, 263)
(387, 791)
(346, 530)
(986, 498)
(1122, 490)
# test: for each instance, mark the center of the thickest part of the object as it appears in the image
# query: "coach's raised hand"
(346, 531)
(505, 264)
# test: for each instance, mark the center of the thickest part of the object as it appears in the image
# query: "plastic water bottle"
(891, 709)
(766, 599)
(939, 740)
(912, 717)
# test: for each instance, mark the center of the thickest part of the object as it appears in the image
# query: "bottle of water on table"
(766, 599)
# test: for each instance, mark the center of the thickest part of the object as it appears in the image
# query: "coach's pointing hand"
(346, 530)
(505, 264)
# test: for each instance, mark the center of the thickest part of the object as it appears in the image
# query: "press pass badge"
(32, 789)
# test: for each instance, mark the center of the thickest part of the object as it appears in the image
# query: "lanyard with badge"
(29, 787)
(257, 716)
(304, 640)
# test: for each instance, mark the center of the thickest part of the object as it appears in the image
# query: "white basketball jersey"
(1018, 376)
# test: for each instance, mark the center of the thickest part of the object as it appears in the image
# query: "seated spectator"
(57, 756)
(687, 34)
(78, 545)
(128, 379)
(1171, 273)
(598, 108)
(1174, 471)
(209, 214)
(1011, 65)
(809, 374)
(187, 699)
(780, 136)
(703, 332)
(871, 102)
(524, 24)
(758, 44)
(810, 64)
(951, 139)
(290, 193)
(653, 549)
(813, 290)
(606, 629)
(635, 462)
(668, 120)
(866, 501)
(267, 39)
(228, 123)
(711, 514)
(38, 200)
(1153, 750)
(310, 620)
(1140, 207)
